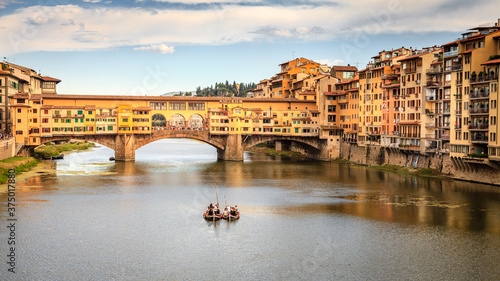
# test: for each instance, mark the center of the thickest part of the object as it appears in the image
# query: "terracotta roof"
(89, 106)
(47, 107)
(334, 94)
(363, 70)
(437, 62)
(344, 68)
(412, 57)
(35, 97)
(307, 93)
(19, 105)
(466, 52)
(20, 96)
(314, 111)
(497, 61)
(50, 79)
(347, 81)
(452, 43)
(353, 90)
(473, 38)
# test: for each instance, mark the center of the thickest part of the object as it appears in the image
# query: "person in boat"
(225, 212)
(233, 212)
(217, 211)
(210, 209)
(236, 209)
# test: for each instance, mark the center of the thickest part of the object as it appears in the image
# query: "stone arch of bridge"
(106, 141)
(181, 134)
(298, 140)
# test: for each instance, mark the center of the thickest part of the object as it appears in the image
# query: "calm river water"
(301, 220)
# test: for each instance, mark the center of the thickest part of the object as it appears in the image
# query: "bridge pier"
(233, 150)
(125, 147)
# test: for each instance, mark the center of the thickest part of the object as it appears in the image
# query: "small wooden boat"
(58, 157)
(231, 217)
(212, 217)
(111, 158)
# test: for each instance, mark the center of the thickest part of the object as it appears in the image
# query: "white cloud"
(92, 1)
(5, 3)
(71, 27)
(159, 49)
(330, 62)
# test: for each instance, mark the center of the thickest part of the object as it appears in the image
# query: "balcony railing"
(480, 138)
(450, 53)
(483, 78)
(453, 68)
(445, 125)
(434, 84)
(480, 94)
(479, 110)
(458, 111)
(430, 98)
(478, 127)
(433, 71)
(430, 125)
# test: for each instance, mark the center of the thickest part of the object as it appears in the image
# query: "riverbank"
(424, 172)
(272, 152)
(20, 164)
(48, 150)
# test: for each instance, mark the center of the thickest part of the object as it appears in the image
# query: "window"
(110, 128)
(18, 120)
(177, 106)
(124, 119)
(90, 112)
(35, 110)
(18, 110)
(19, 132)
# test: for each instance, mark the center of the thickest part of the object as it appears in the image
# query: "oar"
(216, 192)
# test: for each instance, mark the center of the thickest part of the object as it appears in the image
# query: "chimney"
(498, 23)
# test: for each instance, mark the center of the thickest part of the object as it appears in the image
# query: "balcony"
(458, 112)
(480, 95)
(434, 84)
(483, 78)
(446, 111)
(479, 111)
(453, 68)
(410, 70)
(430, 125)
(430, 98)
(480, 139)
(434, 71)
(437, 137)
(458, 127)
(459, 82)
(457, 96)
(478, 127)
(445, 126)
(429, 112)
(450, 53)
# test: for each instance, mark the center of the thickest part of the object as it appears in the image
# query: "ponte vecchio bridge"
(126, 123)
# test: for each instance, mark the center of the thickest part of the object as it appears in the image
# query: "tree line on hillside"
(225, 90)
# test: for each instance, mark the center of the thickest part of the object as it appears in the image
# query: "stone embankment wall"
(456, 168)
(7, 148)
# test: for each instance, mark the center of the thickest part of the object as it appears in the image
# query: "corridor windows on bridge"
(158, 105)
(177, 106)
(196, 106)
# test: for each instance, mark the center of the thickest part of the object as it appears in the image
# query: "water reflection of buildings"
(376, 195)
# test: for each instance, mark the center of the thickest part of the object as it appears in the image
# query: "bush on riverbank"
(20, 164)
(49, 150)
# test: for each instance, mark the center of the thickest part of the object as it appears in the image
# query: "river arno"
(95, 219)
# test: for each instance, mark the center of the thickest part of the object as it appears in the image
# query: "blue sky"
(151, 47)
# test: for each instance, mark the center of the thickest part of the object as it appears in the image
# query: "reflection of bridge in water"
(229, 146)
